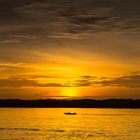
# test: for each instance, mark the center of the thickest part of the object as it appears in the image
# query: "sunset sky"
(69, 49)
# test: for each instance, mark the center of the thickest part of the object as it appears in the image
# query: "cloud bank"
(126, 81)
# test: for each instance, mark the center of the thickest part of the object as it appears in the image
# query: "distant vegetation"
(83, 103)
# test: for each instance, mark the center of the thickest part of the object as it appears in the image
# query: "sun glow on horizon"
(70, 91)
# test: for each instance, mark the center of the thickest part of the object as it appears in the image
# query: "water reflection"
(52, 124)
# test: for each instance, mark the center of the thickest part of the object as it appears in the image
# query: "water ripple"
(20, 129)
(56, 130)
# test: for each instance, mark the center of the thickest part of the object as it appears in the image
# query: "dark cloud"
(15, 82)
(20, 87)
(56, 18)
(88, 77)
(53, 85)
(87, 18)
(84, 81)
(126, 81)
(129, 81)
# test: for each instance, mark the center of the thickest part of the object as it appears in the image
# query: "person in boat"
(70, 113)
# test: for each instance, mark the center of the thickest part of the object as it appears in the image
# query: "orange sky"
(63, 49)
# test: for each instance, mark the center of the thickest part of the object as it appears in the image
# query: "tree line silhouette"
(63, 103)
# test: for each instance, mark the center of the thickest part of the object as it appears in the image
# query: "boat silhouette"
(70, 113)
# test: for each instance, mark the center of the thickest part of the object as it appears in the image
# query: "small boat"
(70, 113)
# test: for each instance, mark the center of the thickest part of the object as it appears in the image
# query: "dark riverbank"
(84, 103)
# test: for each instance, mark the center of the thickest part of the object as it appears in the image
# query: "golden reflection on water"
(52, 124)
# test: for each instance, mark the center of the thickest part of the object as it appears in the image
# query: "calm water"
(52, 124)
